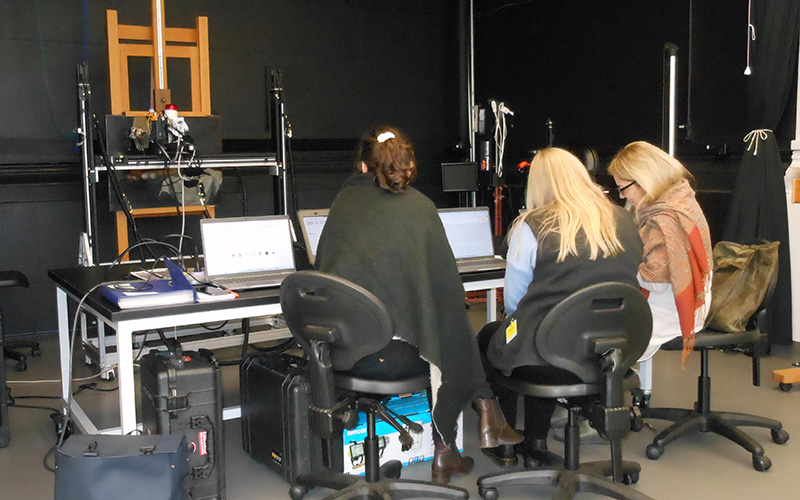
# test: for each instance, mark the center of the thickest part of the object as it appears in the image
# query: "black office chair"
(701, 418)
(338, 323)
(597, 334)
(10, 279)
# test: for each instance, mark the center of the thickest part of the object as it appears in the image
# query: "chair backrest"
(605, 314)
(325, 308)
(759, 316)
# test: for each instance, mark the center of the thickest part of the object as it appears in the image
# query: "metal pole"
(669, 121)
(87, 156)
(158, 22)
(281, 125)
(471, 91)
(283, 168)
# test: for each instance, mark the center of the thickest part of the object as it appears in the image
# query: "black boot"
(536, 454)
(504, 455)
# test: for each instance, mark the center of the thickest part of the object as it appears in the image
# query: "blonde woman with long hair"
(675, 273)
(571, 236)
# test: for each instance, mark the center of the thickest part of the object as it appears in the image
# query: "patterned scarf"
(677, 250)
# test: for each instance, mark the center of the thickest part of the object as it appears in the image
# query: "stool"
(786, 377)
(10, 279)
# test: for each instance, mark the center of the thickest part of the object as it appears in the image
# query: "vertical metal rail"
(85, 130)
(471, 91)
(158, 40)
(281, 124)
(669, 128)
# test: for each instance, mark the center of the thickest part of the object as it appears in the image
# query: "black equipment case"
(275, 396)
(182, 395)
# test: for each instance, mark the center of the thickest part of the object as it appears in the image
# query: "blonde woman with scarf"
(675, 273)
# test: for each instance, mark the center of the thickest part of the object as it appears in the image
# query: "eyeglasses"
(623, 188)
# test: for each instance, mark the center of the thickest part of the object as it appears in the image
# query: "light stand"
(88, 244)
(472, 111)
(669, 126)
(281, 203)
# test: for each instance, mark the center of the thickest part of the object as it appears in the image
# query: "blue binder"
(152, 293)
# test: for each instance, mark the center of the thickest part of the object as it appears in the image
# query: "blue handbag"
(139, 467)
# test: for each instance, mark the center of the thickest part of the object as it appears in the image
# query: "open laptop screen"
(469, 231)
(311, 223)
(246, 245)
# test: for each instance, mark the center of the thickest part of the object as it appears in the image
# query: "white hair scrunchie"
(385, 136)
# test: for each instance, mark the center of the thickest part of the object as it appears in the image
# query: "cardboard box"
(415, 407)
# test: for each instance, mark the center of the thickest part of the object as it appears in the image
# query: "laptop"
(311, 224)
(469, 231)
(247, 252)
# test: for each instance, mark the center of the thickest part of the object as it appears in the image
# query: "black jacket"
(395, 246)
(554, 281)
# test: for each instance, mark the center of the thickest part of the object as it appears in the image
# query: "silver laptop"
(311, 224)
(247, 252)
(469, 231)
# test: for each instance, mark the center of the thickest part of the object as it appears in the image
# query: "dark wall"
(594, 68)
(346, 65)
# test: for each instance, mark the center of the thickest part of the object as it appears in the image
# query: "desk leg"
(63, 341)
(491, 305)
(101, 349)
(84, 334)
(127, 397)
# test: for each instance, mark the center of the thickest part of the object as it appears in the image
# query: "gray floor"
(702, 466)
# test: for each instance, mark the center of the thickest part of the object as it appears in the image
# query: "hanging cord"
(500, 132)
(113, 179)
(754, 136)
(751, 35)
(244, 190)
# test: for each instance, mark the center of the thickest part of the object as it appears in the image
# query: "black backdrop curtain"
(773, 59)
(758, 211)
(758, 203)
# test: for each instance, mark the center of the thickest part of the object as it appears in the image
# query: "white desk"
(74, 283)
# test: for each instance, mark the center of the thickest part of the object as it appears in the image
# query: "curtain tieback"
(753, 137)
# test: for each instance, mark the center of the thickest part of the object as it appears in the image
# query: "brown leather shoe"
(493, 430)
(448, 461)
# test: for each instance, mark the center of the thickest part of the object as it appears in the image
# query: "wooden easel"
(164, 43)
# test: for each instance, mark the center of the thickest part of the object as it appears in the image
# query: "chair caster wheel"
(654, 451)
(640, 399)
(22, 366)
(297, 492)
(488, 493)
(630, 478)
(637, 424)
(392, 469)
(109, 376)
(36, 351)
(531, 463)
(761, 462)
(779, 436)
(785, 387)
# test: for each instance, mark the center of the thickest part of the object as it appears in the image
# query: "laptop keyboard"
(480, 263)
(243, 282)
